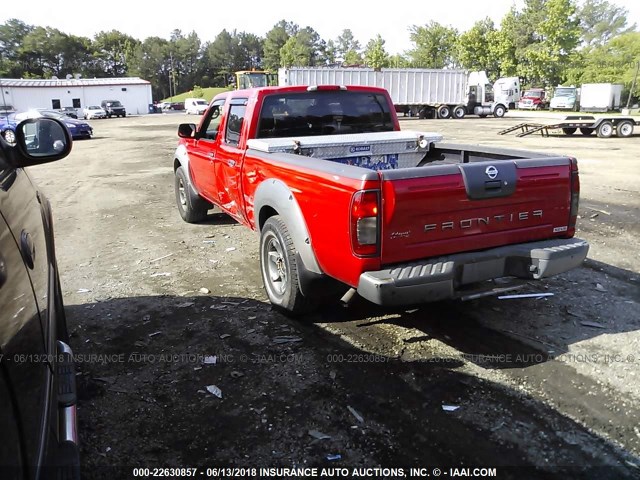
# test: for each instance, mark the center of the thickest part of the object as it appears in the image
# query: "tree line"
(545, 43)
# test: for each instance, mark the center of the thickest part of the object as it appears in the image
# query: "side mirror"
(186, 130)
(40, 140)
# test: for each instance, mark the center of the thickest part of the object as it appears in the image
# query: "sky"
(142, 18)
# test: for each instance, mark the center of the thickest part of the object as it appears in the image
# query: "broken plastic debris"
(210, 360)
(332, 457)
(332, 375)
(230, 249)
(236, 374)
(224, 335)
(450, 408)
(355, 414)
(205, 290)
(161, 274)
(587, 323)
(286, 339)
(319, 435)
(208, 241)
(213, 390)
(160, 258)
(600, 288)
(525, 295)
(83, 290)
(154, 334)
(185, 304)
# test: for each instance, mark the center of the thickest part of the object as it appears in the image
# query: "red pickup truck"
(342, 198)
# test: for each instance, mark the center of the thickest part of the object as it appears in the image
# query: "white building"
(133, 92)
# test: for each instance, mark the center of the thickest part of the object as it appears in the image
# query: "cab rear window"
(323, 113)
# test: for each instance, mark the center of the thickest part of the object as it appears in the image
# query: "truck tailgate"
(442, 209)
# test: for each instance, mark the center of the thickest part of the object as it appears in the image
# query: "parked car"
(93, 111)
(37, 374)
(8, 127)
(113, 108)
(77, 128)
(196, 106)
(69, 112)
(6, 109)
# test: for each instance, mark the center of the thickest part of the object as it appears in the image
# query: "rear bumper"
(442, 278)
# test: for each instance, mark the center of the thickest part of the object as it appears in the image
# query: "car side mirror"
(40, 140)
(186, 130)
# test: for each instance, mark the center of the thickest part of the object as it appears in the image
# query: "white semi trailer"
(414, 91)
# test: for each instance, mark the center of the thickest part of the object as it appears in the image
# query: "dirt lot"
(550, 385)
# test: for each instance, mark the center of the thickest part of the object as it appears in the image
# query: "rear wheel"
(459, 112)
(191, 206)
(279, 268)
(625, 129)
(444, 112)
(605, 129)
(586, 131)
(569, 131)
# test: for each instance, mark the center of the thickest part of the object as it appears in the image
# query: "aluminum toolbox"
(377, 150)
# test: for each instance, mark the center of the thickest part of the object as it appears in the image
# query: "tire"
(624, 129)
(586, 131)
(191, 207)
(279, 268)
(459, 112)
(444, 112)
(605, 129)
(483, 115)
(499, 111)
(569, 131)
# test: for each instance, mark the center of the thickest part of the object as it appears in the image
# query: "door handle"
(211, 155)
(231, 163)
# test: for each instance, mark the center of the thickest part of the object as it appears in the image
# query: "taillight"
(365, 219)
(575, 197)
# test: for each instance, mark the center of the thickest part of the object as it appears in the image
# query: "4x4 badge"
(491, 171)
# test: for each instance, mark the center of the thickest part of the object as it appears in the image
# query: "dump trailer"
(426, 93)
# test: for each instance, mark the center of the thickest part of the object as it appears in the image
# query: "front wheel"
(499, 111)
(586, 131)
(279, 268)
(191, 206)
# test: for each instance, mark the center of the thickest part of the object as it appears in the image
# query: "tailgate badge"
(491, 171)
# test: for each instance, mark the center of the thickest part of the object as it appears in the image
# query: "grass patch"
(208, 94)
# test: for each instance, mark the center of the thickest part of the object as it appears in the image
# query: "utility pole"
(633, 85)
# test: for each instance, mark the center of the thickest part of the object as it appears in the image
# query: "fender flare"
(276, 195)
(181, 159)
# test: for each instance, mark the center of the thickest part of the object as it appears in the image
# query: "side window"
(55, 104)
(234, 123)
(212, 122)
(76, 103)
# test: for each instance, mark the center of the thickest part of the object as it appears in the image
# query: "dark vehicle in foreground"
(37, 377)
(77, 128)
(113, 108)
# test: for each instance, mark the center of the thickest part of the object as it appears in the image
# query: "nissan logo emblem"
(491, 171)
